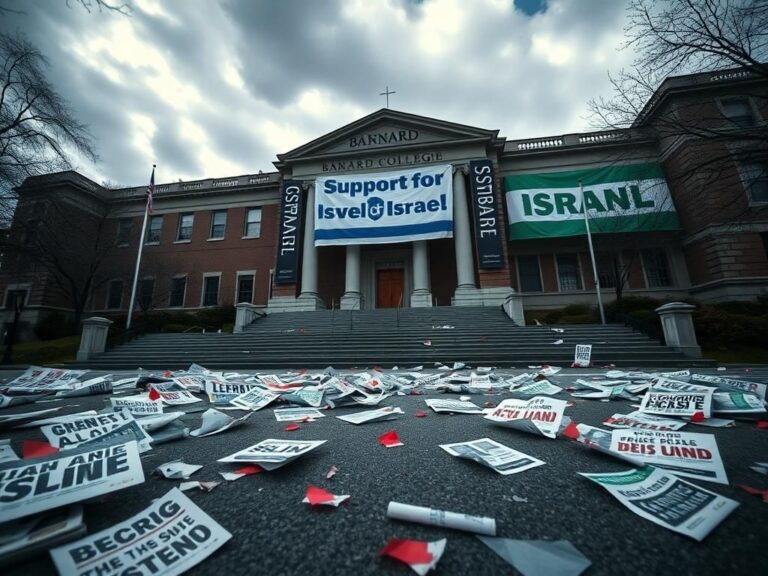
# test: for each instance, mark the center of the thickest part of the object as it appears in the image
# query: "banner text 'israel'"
(384, 207)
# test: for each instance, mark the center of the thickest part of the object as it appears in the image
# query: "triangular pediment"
(388, 129)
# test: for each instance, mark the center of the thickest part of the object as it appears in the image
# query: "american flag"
(151, 191)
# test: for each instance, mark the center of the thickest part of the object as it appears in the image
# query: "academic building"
(399, 210)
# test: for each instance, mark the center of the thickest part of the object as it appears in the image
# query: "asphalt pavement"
(274, 533)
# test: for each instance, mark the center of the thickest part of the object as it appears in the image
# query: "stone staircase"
(387, 337)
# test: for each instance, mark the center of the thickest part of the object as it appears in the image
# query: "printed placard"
(137, 405)
(582, 355)
(539, 415)
(66, 435)
(677, 403)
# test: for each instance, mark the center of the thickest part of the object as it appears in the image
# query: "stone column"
(308, 297)
(245, 314)
(94, 338)
(679, 332)
(352, 299)
(421, 296)
(466, 290)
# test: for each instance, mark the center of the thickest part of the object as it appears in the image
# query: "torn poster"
(137, 405)
(420, 556)
(732, 384)
(215, 422)
(317, 496)
(31, 486)
(379, 415)
(600, 440)
(667, 500)
(173, 394)
(273, 453)
(66, 435)
(100, 385)
(297, 414)
(157, 421)
(191, 382)
(539, 415)
(582, 356)
(540, 557)
(29, 537)
(643, 421)
(441, 518)
(169, 537)
(38, 379)
(453, 406)
(502, 459)
(254, 399)
(677, 403)
(682, 453)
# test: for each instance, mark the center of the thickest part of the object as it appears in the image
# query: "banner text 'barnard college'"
(384, 207)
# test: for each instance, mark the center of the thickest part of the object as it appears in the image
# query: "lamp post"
(10, 336)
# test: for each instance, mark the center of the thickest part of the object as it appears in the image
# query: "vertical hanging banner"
(286, 269)
(621, 198)
(487, 234)
(384, 207)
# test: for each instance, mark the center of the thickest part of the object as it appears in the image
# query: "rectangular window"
(755, 177)
(14, 297)
(124, 228)
(218, 224)
(211, 290)
(568, 272)
(178, 289)
(656, 269)
(115, 296)
(185, 227)
(608, 268)
(252, 223)
(245, 288)
(528, 270)
(154, 229)
(146, 288)
(738, 111)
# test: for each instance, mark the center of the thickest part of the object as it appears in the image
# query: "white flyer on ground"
(732, 384)
(254, 399)
(540, 387)
(670, 385)
(215, 422)
(273, 453)
(169, 538)
(100, 385)
(66, 435)
(137, 405)
(174, 394)
(453, 406)
(682, 453)
(539, 415)
(379, 415)
(490, 453)
(736, 404)
(297, 414)
(643, 421)
(31, 486)
(582, 355)
(221, 391)
(677, 403)
(667, 500)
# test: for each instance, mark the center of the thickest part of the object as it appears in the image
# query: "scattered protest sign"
(273, 453)
(502, 459)
(737, 404)
(582, 356)
(453, 406)
(677, 403)
(221, 391)
(66, 435)
(667, 500)
(215, 422)
(643, 421)
(30, 536)
(539, 415)
(297, 414)
(254, 399)
(173, 394)
(732, 384)
(31, 486)
(169, 537)
(542, 386)
(137, 405)
(379, 415)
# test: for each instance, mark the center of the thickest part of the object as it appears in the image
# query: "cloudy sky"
(207, 88)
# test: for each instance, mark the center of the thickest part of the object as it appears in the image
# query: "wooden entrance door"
(390, 284)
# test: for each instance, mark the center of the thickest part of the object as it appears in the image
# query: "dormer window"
(738, 111)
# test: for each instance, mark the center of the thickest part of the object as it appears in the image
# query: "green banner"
(627, 198)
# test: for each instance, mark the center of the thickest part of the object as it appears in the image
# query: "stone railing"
(199, 185)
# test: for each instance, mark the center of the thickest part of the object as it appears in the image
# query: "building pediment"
(385, 130)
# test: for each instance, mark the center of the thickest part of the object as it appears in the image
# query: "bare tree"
(102, 5)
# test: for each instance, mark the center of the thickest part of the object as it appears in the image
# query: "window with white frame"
(754, 175)
(178, 290)
(738, 111)
(185, 227)
(115, 295)
(154, 229)
(211, 290)
(529, 273)
(245, 283)
(124, 228)
(656, 268)
(218, 224)
(568, 272)
(252, 223)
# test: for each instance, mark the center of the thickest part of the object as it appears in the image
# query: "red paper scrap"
(754, 491)
(390, 439)
(490, 404)
(36, 449)
(698, 417)
(249, 469)
(421, 414)
(331, 472)
(153, 394)
(167, 374)
(408, 551)
(291, 427)
(317, 495)
(571, 431)
(762, 424)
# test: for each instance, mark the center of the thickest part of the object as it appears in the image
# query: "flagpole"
(138, 256)
(592, 255)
